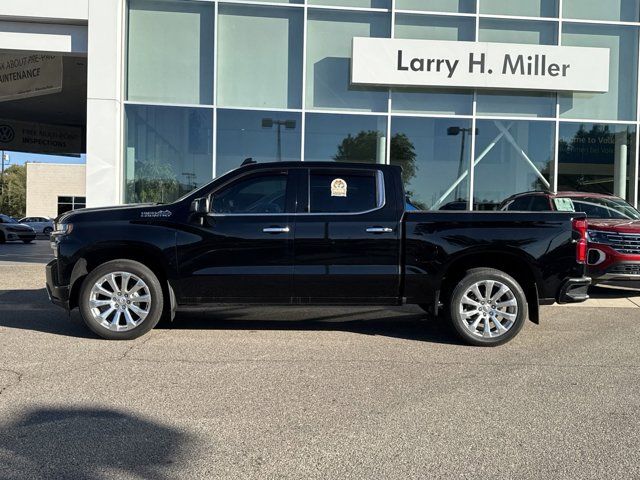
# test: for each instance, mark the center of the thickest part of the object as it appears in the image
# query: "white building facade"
(181, 91)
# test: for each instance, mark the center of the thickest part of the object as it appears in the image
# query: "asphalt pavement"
(38, 251)
(262, 393)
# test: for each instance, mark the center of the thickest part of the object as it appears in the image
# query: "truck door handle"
(379, 230)
(276, 230)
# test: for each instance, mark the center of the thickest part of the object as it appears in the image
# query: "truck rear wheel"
(121, 300)
(488, 307)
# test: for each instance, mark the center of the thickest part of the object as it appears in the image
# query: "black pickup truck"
(314, 233)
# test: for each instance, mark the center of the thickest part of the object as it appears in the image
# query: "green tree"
(13, 200)
(363, 147)
(153, 182)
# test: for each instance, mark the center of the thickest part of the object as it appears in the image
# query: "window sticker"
(338, 188)
(564, 204)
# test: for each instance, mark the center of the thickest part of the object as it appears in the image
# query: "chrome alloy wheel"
(488, 309)
(120, 301)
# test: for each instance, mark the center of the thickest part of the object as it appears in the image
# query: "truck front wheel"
(121, 300)
(488, 307)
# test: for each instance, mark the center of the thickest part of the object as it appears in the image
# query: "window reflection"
(613, 10)
(353, 3)
(168, 151)
(264, 136)
(511, 157)
(529, 8)
(596, 158)
(434, 156)
(459, 6)
(273, 48)
(619, 103)
(170, 52)
(329, 38)
(345, 138)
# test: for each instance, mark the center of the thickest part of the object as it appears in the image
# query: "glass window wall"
(457, 6)
(264, 136)
(511, 157)
(168, 151)
(274, 87)
(518, 31)
(260, 56)
(609, 10)
(345, 138)
(329, 38)
(597, 158)
(528, 8)
(353, 3)
(170, 52)
(619, 103)
(434, 155)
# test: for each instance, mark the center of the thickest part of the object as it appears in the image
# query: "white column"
(381, 152)
(620, 165)
(104, 102)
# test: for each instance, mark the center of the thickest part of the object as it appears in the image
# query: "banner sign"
(40, 138)
(426, 63)
(31, 75)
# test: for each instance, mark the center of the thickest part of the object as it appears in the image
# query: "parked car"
(314, 233)
(11, 229)
(39, 224)
(613, 229)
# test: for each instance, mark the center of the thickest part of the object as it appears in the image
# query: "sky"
(19, 158)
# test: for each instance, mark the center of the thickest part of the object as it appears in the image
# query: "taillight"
(580, 226)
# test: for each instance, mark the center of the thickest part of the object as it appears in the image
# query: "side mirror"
(200, 205)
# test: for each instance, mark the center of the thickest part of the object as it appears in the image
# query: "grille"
(629, 269)
(624, 242)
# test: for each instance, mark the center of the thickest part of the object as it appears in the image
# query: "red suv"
(614, 229)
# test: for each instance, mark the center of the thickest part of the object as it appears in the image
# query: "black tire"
(27, 241)
(47, 231)
(155, 305)
(485, 312)
(2, 238)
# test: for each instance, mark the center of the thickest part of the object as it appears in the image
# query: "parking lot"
(313, 393)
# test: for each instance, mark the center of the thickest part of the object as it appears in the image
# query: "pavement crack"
(18, 378)
(134, 346)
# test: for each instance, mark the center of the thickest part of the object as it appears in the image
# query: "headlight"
(62, 228)
(595, 236)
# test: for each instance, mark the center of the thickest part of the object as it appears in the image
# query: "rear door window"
(343, 191)
(539, 203)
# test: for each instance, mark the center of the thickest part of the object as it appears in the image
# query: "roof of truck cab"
(315, 164)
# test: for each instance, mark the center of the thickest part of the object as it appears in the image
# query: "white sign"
(40, 138)
(23, 76)
(400, 62)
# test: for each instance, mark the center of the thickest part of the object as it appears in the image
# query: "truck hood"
(140, 211)
(615, 225)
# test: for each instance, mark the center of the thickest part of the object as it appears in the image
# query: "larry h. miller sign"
(421, 63)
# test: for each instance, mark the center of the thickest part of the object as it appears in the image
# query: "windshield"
(602, 207)
(7, 219)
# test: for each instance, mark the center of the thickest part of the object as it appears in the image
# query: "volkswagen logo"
(7, 134)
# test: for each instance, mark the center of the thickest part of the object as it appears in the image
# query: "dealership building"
(476, 99)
